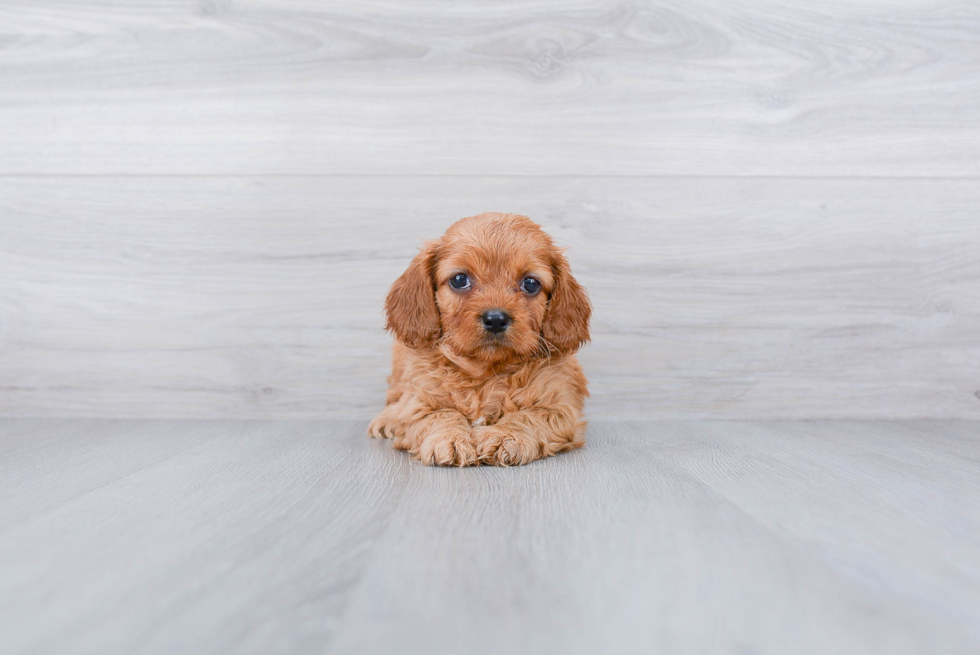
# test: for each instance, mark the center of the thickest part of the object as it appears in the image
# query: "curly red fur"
(460, 395)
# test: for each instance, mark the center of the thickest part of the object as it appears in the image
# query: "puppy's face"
(493, 288)
(492, 280)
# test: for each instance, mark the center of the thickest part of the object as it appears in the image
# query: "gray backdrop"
(774, 206)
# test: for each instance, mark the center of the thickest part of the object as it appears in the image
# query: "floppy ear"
(410, 310)
(566, 322)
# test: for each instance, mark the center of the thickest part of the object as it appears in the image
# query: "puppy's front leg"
(529, 434)
(440, 437)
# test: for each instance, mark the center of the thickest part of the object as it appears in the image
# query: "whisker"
(549, 347)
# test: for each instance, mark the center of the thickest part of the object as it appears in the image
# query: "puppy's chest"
(484, 404)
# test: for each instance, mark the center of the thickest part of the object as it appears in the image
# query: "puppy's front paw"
(499, 447)
(449, 447)
(382, 427)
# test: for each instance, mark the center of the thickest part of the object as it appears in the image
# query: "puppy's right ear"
(410, 310)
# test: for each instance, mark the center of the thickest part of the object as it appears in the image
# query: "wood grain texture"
(714, 297)
(870, 88)
(273, 522)
(668, 537)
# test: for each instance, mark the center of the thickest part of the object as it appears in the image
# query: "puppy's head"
(493, 288)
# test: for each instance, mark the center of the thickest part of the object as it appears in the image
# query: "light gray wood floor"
(669, 537)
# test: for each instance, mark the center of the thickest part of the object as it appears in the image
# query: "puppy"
(487, 321)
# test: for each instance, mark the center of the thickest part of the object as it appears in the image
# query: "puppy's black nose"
(495, 321)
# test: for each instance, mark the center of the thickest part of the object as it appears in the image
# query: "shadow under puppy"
(487, 320)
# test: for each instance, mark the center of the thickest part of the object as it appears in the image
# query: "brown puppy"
(488, 319)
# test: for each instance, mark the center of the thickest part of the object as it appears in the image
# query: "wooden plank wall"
(775, 205)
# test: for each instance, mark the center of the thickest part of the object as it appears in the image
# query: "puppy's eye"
(530, 286)
(459, 281)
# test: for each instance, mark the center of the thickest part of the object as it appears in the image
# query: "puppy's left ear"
(410, 309)
(566, 322)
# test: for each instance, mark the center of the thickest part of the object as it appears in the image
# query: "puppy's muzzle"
(495, 321)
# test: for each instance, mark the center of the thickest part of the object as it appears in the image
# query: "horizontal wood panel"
(261, 296)
(447, 87)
